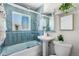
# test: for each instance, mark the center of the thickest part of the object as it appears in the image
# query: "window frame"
(21, 14)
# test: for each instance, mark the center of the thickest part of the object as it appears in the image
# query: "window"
(20, 22)
(46, 22)
(42, 23)
(51, 24)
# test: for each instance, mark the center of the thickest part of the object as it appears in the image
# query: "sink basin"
(45, 38)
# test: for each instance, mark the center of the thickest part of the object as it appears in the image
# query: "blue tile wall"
(19, 36)
(9, 9)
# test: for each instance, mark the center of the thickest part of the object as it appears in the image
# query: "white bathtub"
(31, 48)
(33, 51)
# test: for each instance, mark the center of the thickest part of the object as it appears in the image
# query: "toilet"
(62, 49)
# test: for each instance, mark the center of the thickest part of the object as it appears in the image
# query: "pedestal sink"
(45, 40)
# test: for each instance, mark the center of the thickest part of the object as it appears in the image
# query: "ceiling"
(32, 6)
(47, 7)
(50, 7)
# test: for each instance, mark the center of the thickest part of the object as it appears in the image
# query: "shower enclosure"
(23, 27)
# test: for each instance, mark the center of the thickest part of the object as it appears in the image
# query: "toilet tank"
(62, 49)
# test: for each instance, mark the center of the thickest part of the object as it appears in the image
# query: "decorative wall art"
(66, 22)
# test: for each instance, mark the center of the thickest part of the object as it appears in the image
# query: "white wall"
(70, 36)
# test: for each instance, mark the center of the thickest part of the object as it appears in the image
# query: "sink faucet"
(44, 31)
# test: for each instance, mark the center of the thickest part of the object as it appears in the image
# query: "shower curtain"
(2, 24)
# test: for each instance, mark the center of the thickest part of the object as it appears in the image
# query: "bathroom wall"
(69, 36)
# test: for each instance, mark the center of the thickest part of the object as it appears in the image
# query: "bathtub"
(31, 48)
(33, 51)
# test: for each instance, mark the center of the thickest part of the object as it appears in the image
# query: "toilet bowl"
(62, 49)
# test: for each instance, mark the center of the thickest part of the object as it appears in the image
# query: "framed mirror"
(66, 22)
